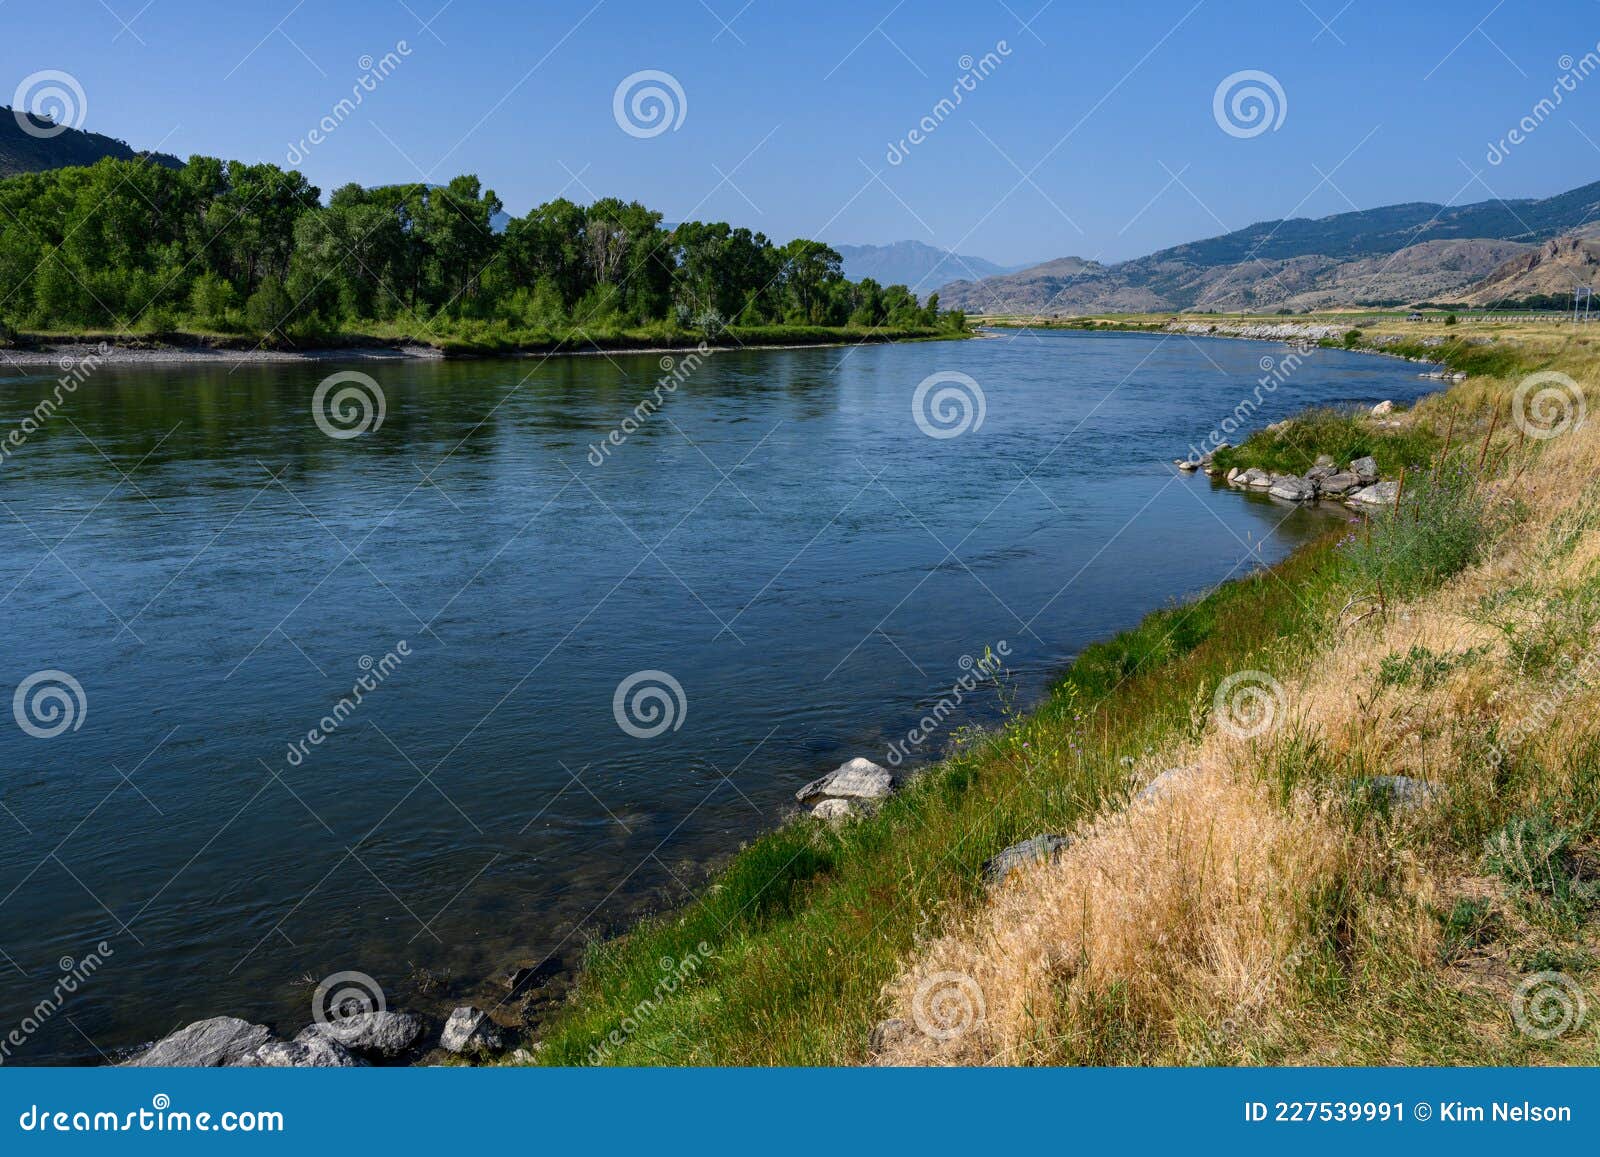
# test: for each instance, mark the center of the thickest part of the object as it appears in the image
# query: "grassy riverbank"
(1274, 904)
(484, 339)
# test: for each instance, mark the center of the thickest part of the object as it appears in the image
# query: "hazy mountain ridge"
(1395, 253)
(919, 266)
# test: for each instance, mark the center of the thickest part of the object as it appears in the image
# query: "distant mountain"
(911, 263)
(1394, 254)
(22, 152)
(1553, 268)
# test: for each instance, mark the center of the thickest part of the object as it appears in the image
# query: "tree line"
(235, 247)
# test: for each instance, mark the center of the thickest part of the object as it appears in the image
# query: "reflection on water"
(781, 539)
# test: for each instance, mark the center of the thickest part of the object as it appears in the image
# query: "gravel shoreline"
(66, 355)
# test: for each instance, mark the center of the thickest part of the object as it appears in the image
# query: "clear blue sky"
(1094, 136)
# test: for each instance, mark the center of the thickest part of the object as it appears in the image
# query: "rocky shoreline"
(360, 1030)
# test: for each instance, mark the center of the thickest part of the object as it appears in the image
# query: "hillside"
(1393, 254)
(22, 152)
(1554, 268)
(914, 264)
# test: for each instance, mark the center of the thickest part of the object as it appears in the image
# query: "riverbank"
(1360, 880)
(66, 350)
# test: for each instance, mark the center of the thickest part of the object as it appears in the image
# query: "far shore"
(65, 353)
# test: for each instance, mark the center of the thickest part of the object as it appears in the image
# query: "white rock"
(857, 779)
(469, 1030)
(834, 809)
(1379, 494)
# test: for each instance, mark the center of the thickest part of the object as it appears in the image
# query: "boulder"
(1401, 792)
(1256, 478)
(469, 1030)
(1337, 484)
(1325, 460)
(1366, 469)
(1319, 472)
(1379, 494)
(1382, 408)
(383, 1034)
(1292, 489)
(1186, 465)
(1038, 850)
(857, 779)
(222, 1040)
(310, 1050)
(834, 809)
(1233, 472)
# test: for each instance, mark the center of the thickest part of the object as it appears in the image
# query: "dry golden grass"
(1259, 909)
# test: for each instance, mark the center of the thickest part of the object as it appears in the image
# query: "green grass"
(1293, 447)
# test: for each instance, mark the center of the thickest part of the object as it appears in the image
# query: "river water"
(782, 540)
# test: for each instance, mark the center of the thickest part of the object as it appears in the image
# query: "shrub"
(268, 307)
(1440, 528)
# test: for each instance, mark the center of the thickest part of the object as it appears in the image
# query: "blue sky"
(1094, 135)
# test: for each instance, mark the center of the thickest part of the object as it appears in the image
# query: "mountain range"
(1394, 255)
(912, 263)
